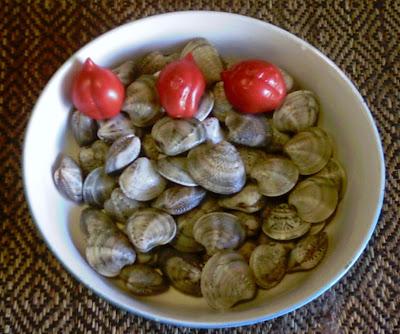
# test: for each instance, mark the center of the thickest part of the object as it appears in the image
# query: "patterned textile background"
(39, 296)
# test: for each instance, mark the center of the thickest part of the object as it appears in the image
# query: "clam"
(298, 112)
(140, 180)
(226, 279)
(335, 172)
(247, 248)
(206, 57)
(289, 82)
(283, 223)
(125, 72)
(217, 167)
(94, 221)
(148, 228)
(247, 200)
(84, 128)
(314, 198)
(222, 107)
(317, 228)
(93, 156)
(248, 130)
(143, 280)
(217, 231)
(141, 101)
(214, 132)
(269, 264)
(68, 178)
(108, 252)
(121, 153)
(275, 175)
(250, 223)
(178, 199)
(186, 244)
(278, 140)
(205, 106)
(308, 252)
(154, 62)
(120, 206)
(175, 169)
(175, 136)
(115, 128)
(310, 150)
(97, 187)
(250, 156)
(150, 148)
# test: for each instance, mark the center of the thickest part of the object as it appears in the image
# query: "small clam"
(175, 136)
(289, 82)
(97, 187)
(250, 156)
(93, 221)
(140, 180)
(310, 150)
(269, 264)
(214, 132)
(150, 148)
(114, 128)
(91, 157)
(278, 140)
(142, 280)
(205, 106)
(84, 128)
(125, 72)
(308, 252)
(154, 62)
(335, 172)
(298, 112)
(247, 248)
(217, 231)
(217, 167)
(141, 101)
(248, 130)
(148, 228)
(108, 252)
(68, 178)
(121, 153)
(222, 107)
(226, 279)
(178, 199)
(175, 169)
(120, 206)
(250, 223)
(186, 244)
(315, 199)
(275, 175)
(206, 57)
(283, 223)
(247, 200)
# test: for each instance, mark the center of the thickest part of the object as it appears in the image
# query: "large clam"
(175, 169)
(93, 156)
(247, 200)
(120, 206)
(115, 128)
(84, 128)
(68, 178)
(97, 187)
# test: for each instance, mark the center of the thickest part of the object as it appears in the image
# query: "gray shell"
(205, 106)
(97, 187)
(93, 221)
(84, 128)
(250, 156)
(186, 244)
(120, 206)
(214, 132)
(115, 128)
(91, 157)
(247, 200)
(67, 178)
(149, 147)
(121, 153)
(175, 169)
(222, 107)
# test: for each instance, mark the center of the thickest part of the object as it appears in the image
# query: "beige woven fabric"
(39, 296)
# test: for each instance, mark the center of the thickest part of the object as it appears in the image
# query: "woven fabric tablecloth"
(39, 296)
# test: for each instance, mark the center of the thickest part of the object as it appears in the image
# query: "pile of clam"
(214, 206)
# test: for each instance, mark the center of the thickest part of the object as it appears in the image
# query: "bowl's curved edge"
(177, 322)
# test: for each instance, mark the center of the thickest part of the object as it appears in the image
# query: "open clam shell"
(121, 153)
(121, 207)
(175, 169)
(67, 178)
(84, 128)
(97, 187)
(247, 200)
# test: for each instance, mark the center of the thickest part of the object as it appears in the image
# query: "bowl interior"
(344, 115)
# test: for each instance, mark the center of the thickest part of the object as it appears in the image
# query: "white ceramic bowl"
(345, 115)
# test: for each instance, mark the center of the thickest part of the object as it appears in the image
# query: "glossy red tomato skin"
(97, 92)
(180, 87)
(254, 86)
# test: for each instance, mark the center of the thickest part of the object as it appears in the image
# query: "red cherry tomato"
(97, 92)
(254, 86)
(180, 87)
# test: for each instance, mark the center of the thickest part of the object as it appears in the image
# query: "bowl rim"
(252, 320)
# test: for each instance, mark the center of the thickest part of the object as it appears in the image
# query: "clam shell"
(222, 107)
(154, 62)
(217, 167)
(175, 136)
(310, 150)
(97, 187)
(177, 200)
(217, 231)
(314, 198)
(175, 169)
(214, 132)
(250, 223)
(248, 130)
(275, 175)
(120, 206)
(148, 228)
(206, 57)
(283, 223)
(317, 228)
(67, 178)
(298, 112)
(335, 172)
(247, 248)
(226, 279)
(308, 252)
(278, 140)
(121, 153)
(205, 106)
(142, 280)
(247, 200)
(140, 180)
(125, 72)
(84, 128)
(289, 82)
(108, 252)
(250, 156)
(269, 264)
(150, 148)
(93, 221)
(93, 156)
(186, 244)
(115, 128)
